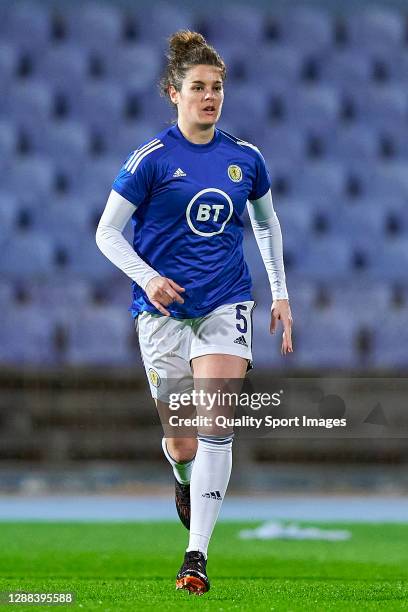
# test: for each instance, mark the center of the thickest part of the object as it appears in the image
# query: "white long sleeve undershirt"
(267, 231)
(112, 243)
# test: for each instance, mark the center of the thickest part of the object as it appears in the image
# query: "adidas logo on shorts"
(212, 495)
(179, 172)
(240, 340)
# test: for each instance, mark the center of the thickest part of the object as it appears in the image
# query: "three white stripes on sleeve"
(135, 159)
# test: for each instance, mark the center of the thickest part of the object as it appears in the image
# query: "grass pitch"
(132, 566)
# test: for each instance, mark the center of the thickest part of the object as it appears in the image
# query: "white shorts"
(168, 345)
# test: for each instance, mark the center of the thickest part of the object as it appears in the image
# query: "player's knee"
(182, 449)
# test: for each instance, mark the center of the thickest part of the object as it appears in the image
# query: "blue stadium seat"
(63, 67)
(6, 296)
(66, 142)
(100, 105)
(29, 99)
(9, 57)
(353, 142)
(396, 136)
(320, 180)
(294, 218)
(84, 259)
(241, 23)
(31, 177)
(68, 294)
(276, 60)
(8, 214)
(350, 66)
(155, 109)
(390, 260)
(386, 106)
(376, 27)
(94, 25)
(315, 107)
(325, 259)
(325, 340)
(100, 336)
(282, 141)
(389, 181)
(8, 141)
(26, 337)
(27, 255)
(29, 27)
(162, 20)
(350, 222)
(365, 301)
(390, 341)
(95, 179)
(134, 66)
(249, 109)
(65, 216)
(307, 29)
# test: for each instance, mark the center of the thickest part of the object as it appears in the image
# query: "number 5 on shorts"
(242, 323)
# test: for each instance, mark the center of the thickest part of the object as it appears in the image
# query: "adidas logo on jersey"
(212, 495)
(179, 172)
(240, 340)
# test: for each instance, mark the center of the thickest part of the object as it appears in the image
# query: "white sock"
(182, 469)
(209, 482)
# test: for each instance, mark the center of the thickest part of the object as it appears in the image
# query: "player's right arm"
(160, 290)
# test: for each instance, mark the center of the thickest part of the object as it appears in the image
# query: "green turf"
(131, 566)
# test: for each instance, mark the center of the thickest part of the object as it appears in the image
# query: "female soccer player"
(186, 190)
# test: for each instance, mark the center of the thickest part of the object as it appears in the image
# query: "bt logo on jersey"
(204, 211)
(209, 211)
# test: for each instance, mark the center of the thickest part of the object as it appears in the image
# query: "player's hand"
(281, 312)
(162, 291)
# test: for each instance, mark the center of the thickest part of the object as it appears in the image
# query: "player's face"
(200, 100)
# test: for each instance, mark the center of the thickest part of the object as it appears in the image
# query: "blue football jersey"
(188, 225)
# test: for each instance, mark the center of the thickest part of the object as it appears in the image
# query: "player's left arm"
(266, 227)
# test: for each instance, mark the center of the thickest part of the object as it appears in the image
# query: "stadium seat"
(6, 296)
(95, 179)
(155, 109)
(26, 100)
(325, 340)
(390, 341)
(320, 180)
(27, 255)
(100, 105)
(324, 259)
(26, 337)
(376, 27)
(352, 221)
(353, 142)
(94, 25)
(83, 259)
(60, 296)
(276, 60)
(8, 141)
(66, 142)
(307, 28)
(134, 64)
(314, 107)
(365, 301)
(238, 104)
(350, 66)
(244, 23)
(63, 65)
(389, 181)
(92, 330)
(158, 23)
(282, 141)
(386, 106)
(389, 260)
(9, 58)
(8, 214)
(31, 177)
(28, 26)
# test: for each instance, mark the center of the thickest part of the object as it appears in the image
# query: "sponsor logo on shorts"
(154, 377)
(235, 173)
(241, 340)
